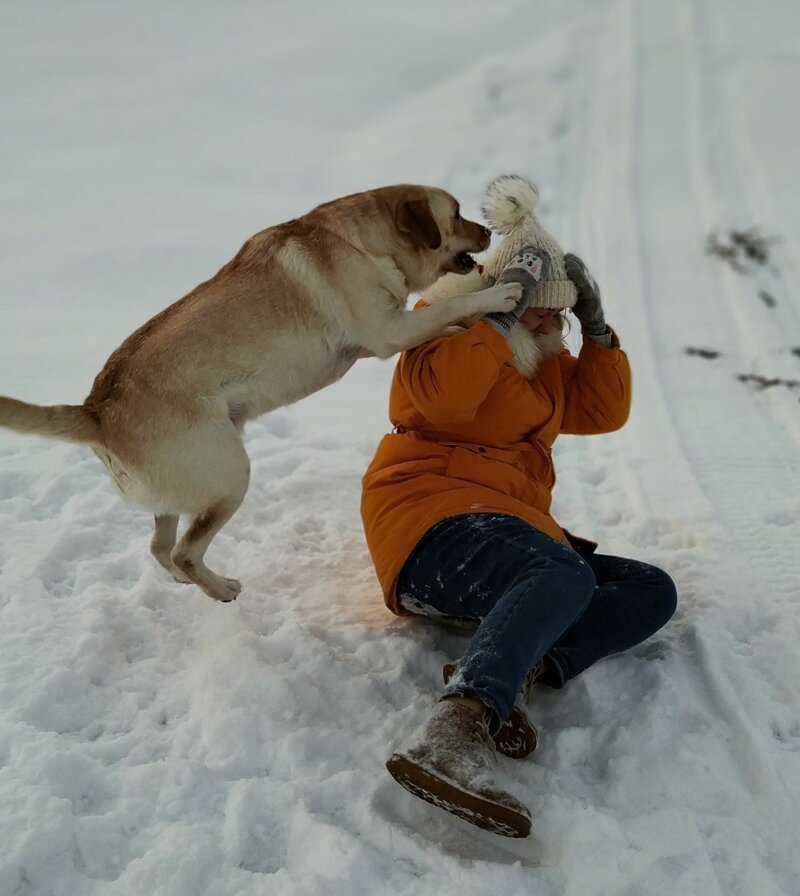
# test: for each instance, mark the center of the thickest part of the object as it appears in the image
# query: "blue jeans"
(532, 596)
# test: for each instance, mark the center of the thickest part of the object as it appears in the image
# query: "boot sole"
(480, 812)
(517, 738)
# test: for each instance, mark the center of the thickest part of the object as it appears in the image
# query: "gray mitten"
(528, 267)
(588, 309)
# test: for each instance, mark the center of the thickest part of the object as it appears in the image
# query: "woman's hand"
(588, 309)
(528, 267)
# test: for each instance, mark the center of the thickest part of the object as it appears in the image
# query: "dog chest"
(272, 386)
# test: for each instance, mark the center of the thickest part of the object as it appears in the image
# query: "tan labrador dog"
(291, 313)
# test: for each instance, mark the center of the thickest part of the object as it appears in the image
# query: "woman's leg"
(524, 587)
(632, 601)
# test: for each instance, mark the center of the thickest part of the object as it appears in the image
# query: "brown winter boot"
(447, 762)
(517, 738)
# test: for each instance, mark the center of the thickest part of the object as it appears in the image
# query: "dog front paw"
(503, 297)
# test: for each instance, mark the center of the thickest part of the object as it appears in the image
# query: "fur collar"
(529, 350)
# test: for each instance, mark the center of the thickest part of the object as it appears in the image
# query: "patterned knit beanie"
(509, 207)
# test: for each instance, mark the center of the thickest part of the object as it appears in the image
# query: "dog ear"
(414, 218)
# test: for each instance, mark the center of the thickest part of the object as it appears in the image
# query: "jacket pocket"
(396, 459)
(539, 463)
(499, 471)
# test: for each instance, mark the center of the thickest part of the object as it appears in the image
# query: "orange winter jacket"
(472, 434)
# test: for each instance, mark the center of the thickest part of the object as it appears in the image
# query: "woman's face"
(539, 321)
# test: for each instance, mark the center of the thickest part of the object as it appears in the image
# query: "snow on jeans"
(532, 596)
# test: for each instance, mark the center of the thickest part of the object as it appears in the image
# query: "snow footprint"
(85, 782)
(594, 476)
(309, 535)
(253, 838)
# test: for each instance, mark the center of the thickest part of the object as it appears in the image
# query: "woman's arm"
(597, 384)
(448, 379)
(597, 388)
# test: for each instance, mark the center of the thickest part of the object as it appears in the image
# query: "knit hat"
(509, 206)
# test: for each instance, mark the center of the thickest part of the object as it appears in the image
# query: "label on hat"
(528, 260)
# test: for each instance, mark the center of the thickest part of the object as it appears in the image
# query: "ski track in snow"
(153, 741)
(731, 484)
(673, 415)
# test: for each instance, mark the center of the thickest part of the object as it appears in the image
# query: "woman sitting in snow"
(456, 513)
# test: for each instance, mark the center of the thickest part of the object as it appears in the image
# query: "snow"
(154, 741)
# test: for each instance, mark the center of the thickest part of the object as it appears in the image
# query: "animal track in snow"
(594, 476)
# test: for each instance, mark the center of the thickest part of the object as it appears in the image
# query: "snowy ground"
(155, 742)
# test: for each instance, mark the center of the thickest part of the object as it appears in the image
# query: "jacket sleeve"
(597, 388)
(448, 379)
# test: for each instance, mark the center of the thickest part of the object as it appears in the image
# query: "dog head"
(420, 228)
(431, 238)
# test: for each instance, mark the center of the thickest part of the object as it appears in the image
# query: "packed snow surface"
(153, 741)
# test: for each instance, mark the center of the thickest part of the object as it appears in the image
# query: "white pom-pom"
(509, 200)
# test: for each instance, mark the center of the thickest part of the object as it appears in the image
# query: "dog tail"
(71, 422)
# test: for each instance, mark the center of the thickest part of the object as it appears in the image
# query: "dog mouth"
(465, 262)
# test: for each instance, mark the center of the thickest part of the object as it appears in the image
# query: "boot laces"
(530, 681)
(482, 735)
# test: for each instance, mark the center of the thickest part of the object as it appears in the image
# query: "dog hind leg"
(188, 553)
(163, 542)
(201, 471)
